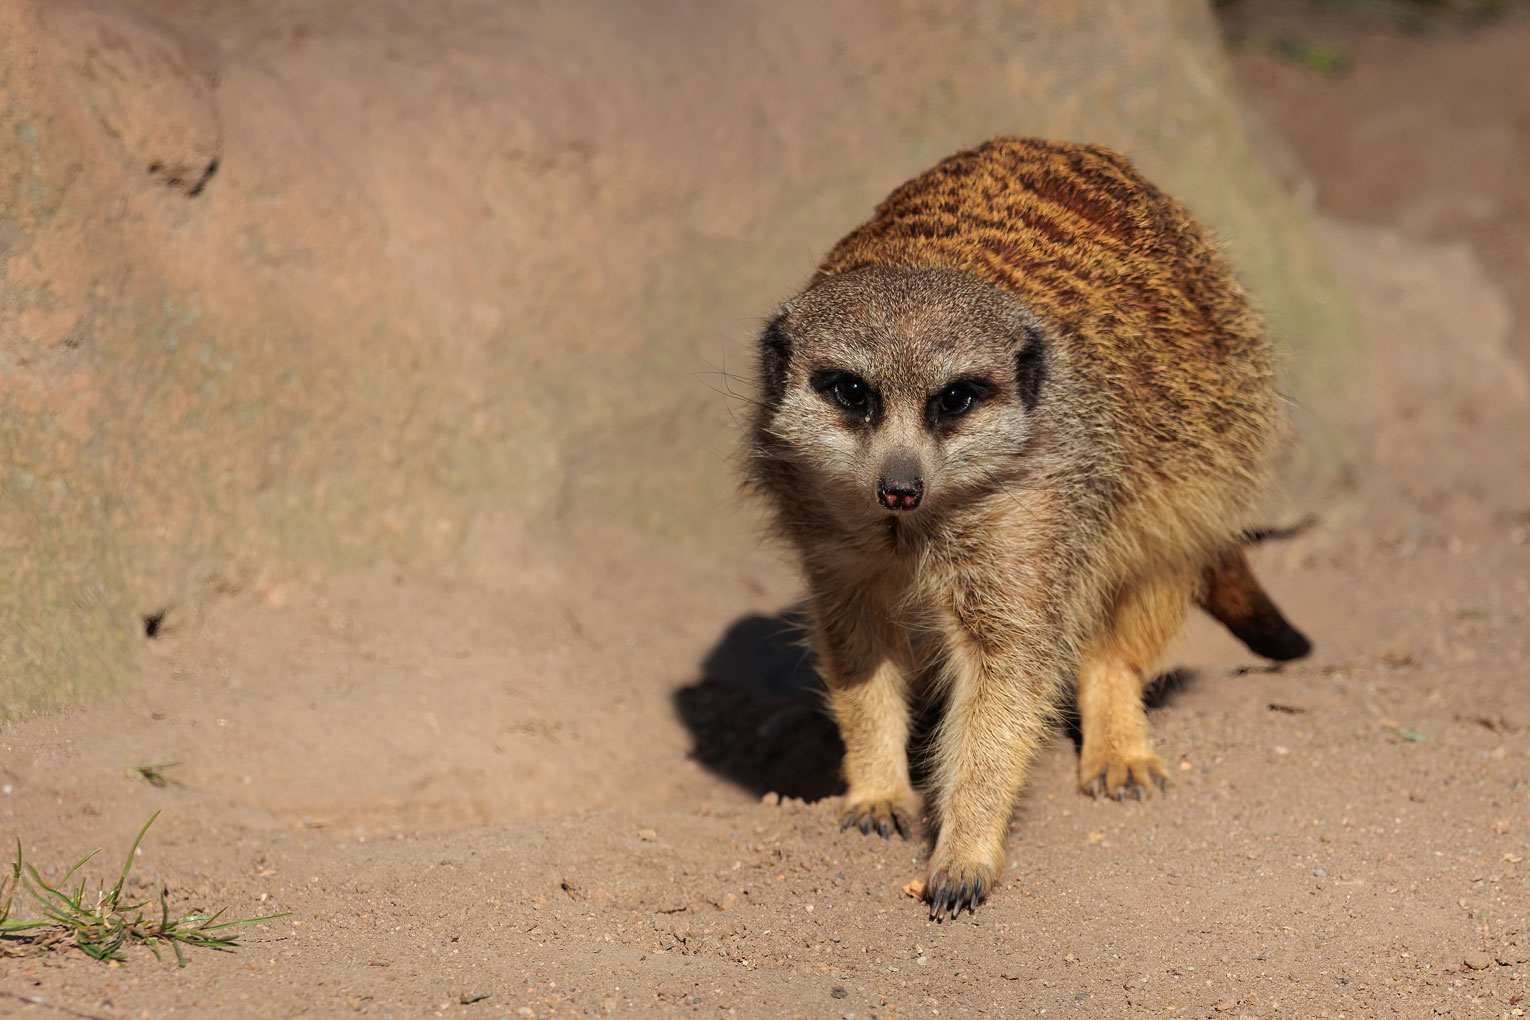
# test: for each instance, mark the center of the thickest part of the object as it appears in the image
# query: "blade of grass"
(77, 866)
(203, 920)
(127, 865)
(10, 887)
(38, 880)
(247, 920)
(6, 927)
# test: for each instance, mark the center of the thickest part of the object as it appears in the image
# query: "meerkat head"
(890, 391)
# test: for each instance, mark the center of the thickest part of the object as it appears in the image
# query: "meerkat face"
(899, 391)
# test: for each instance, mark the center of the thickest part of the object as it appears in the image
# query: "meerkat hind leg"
(1117, 759)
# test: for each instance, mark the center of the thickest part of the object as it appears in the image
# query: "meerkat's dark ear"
(775, 355)
(1030, 367)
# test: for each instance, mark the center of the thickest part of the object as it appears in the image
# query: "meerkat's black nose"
(900, 493)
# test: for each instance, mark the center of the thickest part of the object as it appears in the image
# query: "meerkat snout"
(900, 486)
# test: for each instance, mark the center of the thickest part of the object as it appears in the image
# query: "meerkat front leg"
(868, 693)
(998, 713)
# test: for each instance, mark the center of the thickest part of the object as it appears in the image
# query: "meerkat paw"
(953, 886)
(1121, 772)
(882, 815)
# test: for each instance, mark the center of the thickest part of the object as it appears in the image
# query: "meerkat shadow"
(1156, 694)
(756, 712)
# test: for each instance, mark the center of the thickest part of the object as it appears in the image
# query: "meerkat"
(1014, 427)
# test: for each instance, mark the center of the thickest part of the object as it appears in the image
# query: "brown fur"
(1120, 421)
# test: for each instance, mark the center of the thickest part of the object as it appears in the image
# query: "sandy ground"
(461, 789)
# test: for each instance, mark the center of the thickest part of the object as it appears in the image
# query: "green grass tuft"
(104, 925)
(1327, 59)
(155, 776)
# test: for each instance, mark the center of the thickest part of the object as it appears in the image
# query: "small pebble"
(839, 992)
(772, 798)
(1477, 961)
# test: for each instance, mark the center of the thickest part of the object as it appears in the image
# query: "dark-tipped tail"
(1232, 594)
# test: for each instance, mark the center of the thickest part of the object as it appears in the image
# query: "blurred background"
(293, 288)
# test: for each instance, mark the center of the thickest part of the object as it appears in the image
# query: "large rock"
(299, 285)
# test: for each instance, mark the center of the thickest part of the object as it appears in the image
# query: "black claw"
(885, 827)
(940, 903)
(1163, 784)
(865, 825)
(1139, 791)
(846, 822)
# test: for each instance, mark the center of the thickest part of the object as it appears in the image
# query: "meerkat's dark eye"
(848, 391)
(851, 393)
(958, 398)
(955, 400)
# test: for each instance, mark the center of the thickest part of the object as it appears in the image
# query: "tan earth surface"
(574, 825)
